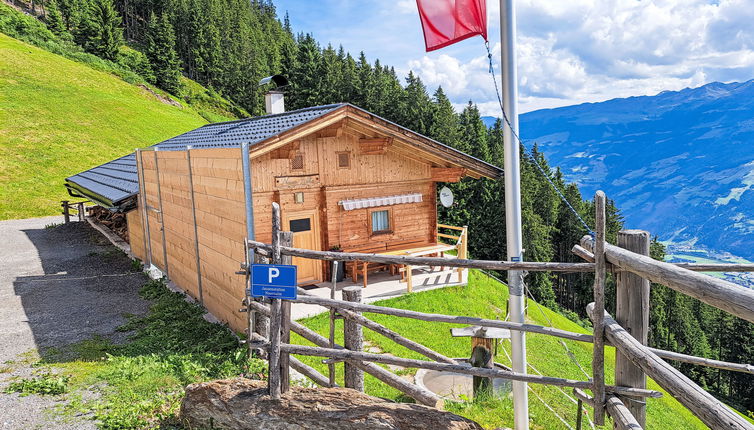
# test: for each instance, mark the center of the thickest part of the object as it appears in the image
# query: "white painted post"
(513, 207)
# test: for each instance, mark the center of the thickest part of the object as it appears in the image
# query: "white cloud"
(594, 50)
(406, 6)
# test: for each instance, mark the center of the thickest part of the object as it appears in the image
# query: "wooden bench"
(421, 249)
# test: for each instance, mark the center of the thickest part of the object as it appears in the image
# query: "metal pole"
(513, 207)
(246, 165)
(196, 227)
(144, 209)
(166, 270)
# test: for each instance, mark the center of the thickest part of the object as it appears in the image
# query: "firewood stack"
(115, 221)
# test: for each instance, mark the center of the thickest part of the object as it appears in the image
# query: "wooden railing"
(77, 206)
(624, 401)
(462, 242)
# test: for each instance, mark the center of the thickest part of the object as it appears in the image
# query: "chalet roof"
(115, 184)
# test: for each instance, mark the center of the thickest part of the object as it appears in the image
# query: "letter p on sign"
(272, 274)
(274, 281)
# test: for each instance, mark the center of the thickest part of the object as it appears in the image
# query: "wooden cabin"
(344, 178)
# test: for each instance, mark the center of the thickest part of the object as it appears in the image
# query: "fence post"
(353, 340)
(333, 288)
(598, 356)
(80, 208)
(286, 239)
(66, 213)
(632, 313)
(463, 251)
(273, 373)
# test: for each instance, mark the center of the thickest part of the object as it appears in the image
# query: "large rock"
(244, 404)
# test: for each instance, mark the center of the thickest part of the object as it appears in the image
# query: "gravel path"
(58, 286)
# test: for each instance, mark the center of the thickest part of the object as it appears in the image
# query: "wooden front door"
(305, 228)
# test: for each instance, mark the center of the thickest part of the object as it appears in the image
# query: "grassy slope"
(487, 298)
(59, 117)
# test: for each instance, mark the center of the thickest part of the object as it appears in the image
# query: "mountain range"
(679, 164)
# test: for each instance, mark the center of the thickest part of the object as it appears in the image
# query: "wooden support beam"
(286, 152)
(531, 266)
(447, 174)
(353, 340)
(600, 274)
(431, 365)
(531, 328)
(421, 395)
(730, 297)
(694, 267)
(632, 313)
(331, 131)
(706, 407)
(621, 415)
(395, 337)
(584, 397)
(583, 253)
(304, 369)
(273, 354)
(66, 212)
(286, 238)
(455, 368)
(702, 361)
(374, 145)
(482, 357)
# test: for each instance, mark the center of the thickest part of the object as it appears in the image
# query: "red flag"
(446, 22)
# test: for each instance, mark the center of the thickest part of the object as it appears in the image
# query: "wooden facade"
(193, 201)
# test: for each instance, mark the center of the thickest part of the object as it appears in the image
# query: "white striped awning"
(380, 201)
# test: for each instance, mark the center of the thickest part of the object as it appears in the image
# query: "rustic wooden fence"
(624, 402)
(68, 206)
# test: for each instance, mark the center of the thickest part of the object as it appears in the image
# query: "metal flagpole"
(513, 207)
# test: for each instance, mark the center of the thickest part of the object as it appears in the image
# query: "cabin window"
(303, 224)
(380, 221)
(297, 162)
(344, 160)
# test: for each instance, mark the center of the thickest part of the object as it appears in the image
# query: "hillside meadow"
(59, 117)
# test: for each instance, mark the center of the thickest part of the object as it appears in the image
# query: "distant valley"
(679, 164)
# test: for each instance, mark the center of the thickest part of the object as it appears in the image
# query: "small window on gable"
(344, 160)
(297, 162)
(380, 221)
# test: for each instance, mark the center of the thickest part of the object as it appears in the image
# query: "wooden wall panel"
(136, 234)
(352, 229)
(265, 168)
(366, 169)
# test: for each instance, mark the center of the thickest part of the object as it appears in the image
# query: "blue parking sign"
(273, 281)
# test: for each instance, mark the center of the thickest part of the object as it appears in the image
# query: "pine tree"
(71, 10)
(100, 31)
(160, 49)
(444, 124)
(417, 114)
(364, 94)
(305, 80)
(54, 18)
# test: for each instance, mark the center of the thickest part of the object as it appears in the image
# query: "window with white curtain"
(380, 221)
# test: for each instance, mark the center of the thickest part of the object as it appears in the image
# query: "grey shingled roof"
(115, 182)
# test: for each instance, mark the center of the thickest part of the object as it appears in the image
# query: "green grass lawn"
(59, 117)
(140, 383)
(485, 297)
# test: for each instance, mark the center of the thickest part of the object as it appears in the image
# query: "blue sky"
(569, 51)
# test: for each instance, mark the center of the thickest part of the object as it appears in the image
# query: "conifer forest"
(229, 45)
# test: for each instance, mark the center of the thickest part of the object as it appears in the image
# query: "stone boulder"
(244, 404)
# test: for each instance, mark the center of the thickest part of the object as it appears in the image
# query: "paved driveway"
(58, 286)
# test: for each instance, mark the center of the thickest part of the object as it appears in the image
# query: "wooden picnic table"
(364, 267)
